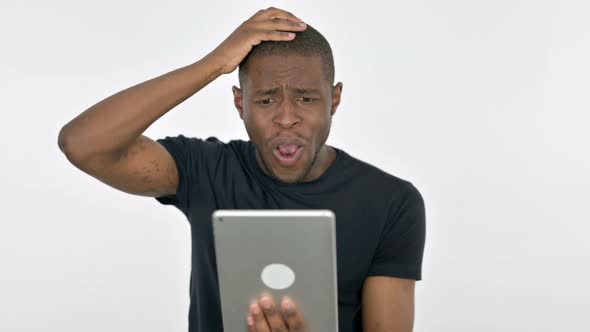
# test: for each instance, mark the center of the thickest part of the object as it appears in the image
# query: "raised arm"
(106, 140)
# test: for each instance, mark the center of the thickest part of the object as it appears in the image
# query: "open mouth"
(287, 154)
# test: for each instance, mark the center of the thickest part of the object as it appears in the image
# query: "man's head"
(286, 100)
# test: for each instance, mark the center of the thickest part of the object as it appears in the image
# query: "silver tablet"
(282, 252)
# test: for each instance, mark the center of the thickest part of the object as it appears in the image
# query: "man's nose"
(287, 115)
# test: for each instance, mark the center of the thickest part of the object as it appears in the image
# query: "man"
(286, 100)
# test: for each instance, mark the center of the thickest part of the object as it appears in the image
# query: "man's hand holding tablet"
(266, 316)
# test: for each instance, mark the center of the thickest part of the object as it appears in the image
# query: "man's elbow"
(64, 142)
(68, 146)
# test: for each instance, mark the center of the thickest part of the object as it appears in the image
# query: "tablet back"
(283, 252)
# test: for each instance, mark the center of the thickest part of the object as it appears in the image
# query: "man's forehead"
(287, 60)
(292, 72)
(269, 68)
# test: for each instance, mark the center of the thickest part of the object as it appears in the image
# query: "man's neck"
(325, 158)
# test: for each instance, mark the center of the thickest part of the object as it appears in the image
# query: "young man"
(286, 100)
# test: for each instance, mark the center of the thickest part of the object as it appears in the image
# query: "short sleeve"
(179, 148)
(401, 246)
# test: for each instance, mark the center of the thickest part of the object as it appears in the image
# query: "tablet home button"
(277, 276)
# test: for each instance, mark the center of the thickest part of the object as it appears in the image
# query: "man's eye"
(307, 99)
(264, 101)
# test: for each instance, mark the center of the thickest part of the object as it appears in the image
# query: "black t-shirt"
(380, 219)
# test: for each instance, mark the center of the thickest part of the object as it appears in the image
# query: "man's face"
(287, 106)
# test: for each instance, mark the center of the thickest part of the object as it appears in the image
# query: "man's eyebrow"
(304, 90)
(272, 91)
(264, 92)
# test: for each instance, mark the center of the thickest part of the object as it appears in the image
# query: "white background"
(483, 105)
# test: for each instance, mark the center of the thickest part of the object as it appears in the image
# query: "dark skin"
(298, 103)
(388, 303)
(106, 141)
(300, 109)
(265, 315)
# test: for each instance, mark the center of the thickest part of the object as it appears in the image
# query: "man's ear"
(336, 93)
(238, 101)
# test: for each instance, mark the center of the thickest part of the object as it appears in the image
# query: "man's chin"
(287, 175)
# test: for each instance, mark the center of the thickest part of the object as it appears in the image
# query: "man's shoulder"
(209, 150)
(368, 171)
(211, 141)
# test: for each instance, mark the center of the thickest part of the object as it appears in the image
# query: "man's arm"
(106, 140)
(388, 304)
(388, 290)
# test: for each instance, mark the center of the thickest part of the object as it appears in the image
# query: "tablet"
(282, 252)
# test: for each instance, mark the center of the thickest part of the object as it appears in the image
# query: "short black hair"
(308, 42)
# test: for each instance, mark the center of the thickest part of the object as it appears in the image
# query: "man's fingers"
(275, 35)
(292, 316)
(272, 313)
(260, 323)
(274, 24)
(276, 31)
(282, 25)
(272, 13)
(250, 323)
(266, 316)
